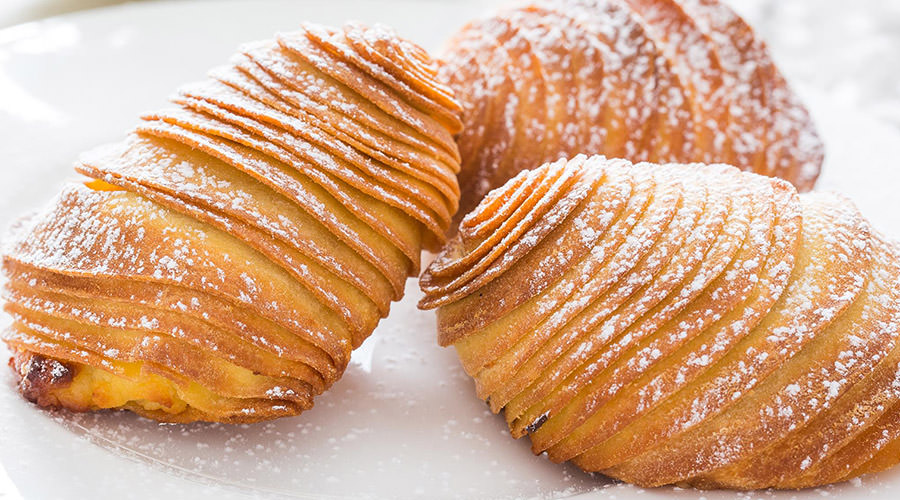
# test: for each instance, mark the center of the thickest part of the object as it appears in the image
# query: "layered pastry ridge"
(646, 80)
(233, 249)
(678, 323)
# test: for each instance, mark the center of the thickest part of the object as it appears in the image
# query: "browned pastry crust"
(678, 324)
(646, 80)
(233, 249)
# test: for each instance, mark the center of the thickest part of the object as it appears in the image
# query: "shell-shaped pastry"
(233, 249)
(678, 324)
(647, 80)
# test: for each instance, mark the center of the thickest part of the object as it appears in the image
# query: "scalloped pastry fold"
(678, 324)
(646, 80)
(232, 250)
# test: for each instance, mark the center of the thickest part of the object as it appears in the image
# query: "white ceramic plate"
(404, 421)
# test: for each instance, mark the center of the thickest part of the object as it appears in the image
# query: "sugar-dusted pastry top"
(678, 324)
(233, 249)
(646, 80)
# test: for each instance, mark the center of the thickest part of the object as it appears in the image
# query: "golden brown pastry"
(230, 252)
(678, 324)
(646, 80)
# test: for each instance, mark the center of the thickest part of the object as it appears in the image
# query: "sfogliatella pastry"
(678, 324)
(231, 252)
(647, 80)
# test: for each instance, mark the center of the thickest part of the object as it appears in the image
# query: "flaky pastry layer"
(678, 324)
(646, 80)
(234, 248)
